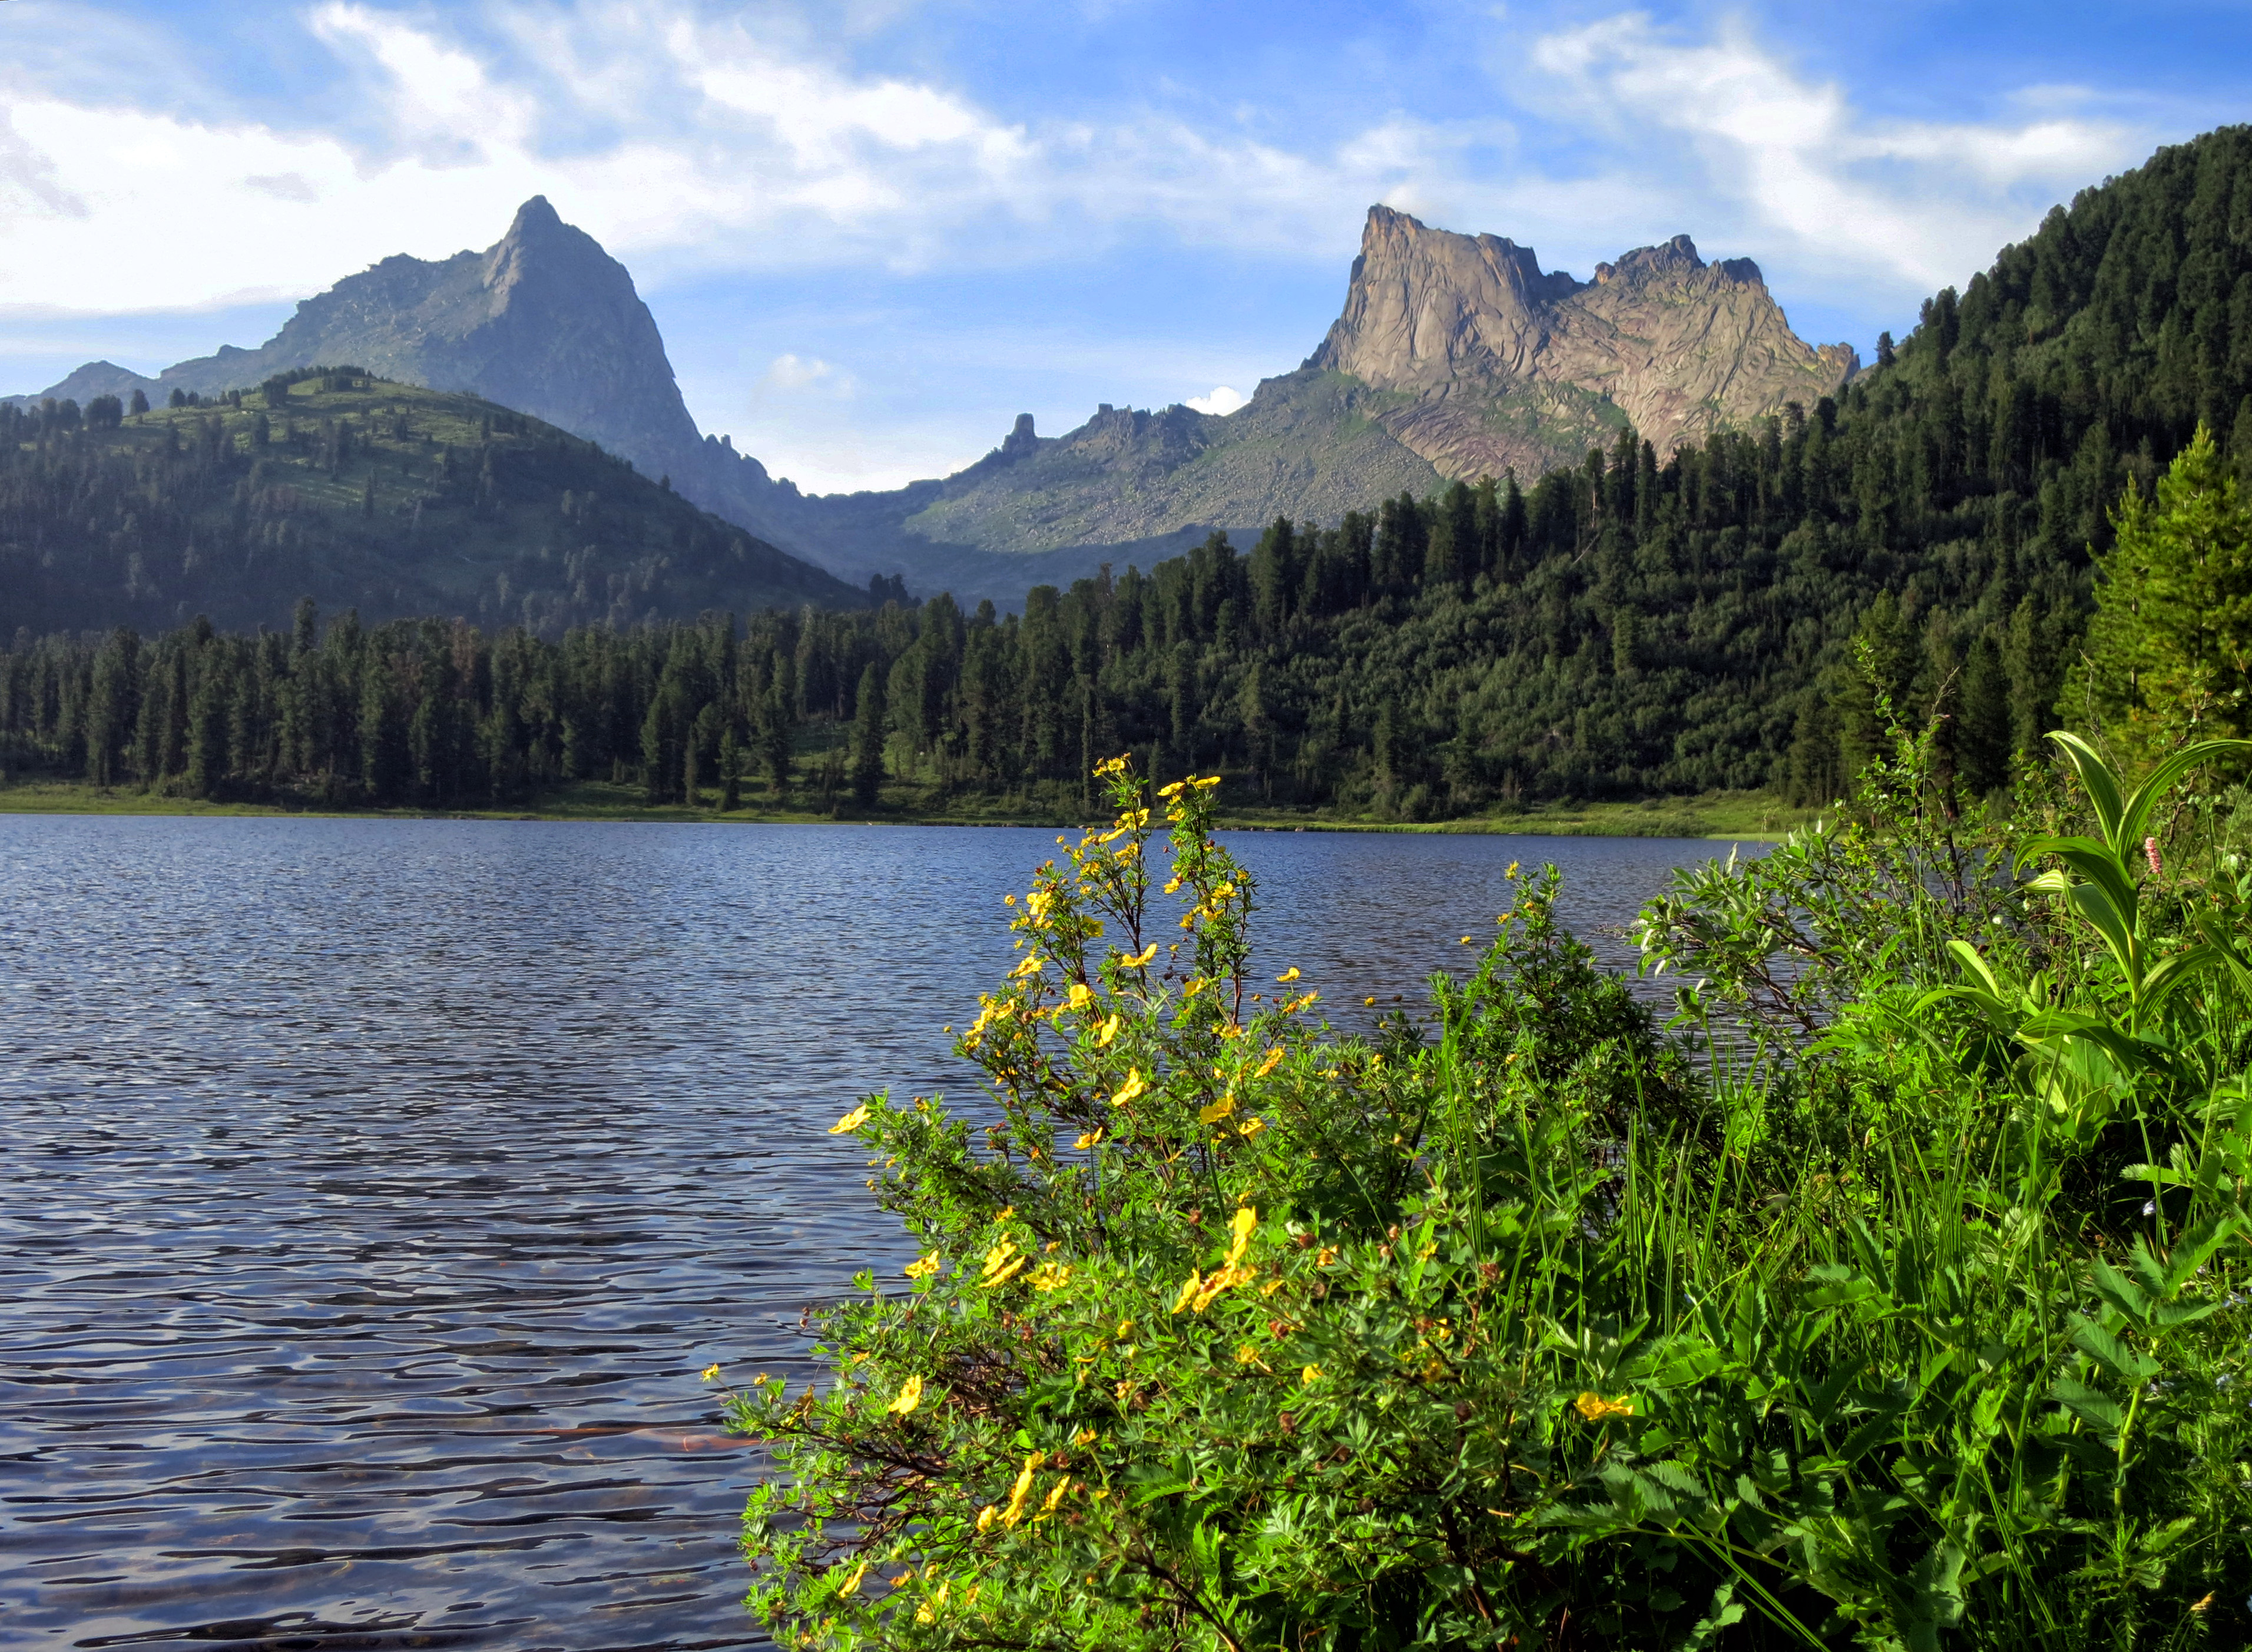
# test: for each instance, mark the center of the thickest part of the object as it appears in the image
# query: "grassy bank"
(1736, 817)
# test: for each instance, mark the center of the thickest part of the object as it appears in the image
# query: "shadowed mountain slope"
(359, 493)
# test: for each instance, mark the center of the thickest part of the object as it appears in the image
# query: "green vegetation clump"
(1893, 1296)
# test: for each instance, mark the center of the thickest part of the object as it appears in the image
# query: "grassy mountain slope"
(357, 492)
(1307, 445)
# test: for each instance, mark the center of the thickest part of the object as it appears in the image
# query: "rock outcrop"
(1503, 366)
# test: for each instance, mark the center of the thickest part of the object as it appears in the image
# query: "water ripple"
(374, 1190)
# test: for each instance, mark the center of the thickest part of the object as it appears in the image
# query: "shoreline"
(1732, 817)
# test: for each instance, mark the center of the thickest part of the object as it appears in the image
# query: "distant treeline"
(1629, 625)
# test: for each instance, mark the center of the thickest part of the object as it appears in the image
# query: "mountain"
(543, 322)
(359, 493)
(1455, 357)
(1506, 368)
(1723, 618)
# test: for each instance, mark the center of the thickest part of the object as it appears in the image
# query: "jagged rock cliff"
(1503, 366)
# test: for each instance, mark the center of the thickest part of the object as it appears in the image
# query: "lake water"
(375, 1190)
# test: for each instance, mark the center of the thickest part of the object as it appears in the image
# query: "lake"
(375, 1190)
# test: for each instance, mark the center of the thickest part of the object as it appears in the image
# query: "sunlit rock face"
(1503, 366)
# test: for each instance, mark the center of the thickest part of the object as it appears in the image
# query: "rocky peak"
(1021, 442)
(1513, 367)
(1678, 257)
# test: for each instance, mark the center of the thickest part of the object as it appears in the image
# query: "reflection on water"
(374, 1190)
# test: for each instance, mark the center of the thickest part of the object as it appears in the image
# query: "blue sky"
(873, 231)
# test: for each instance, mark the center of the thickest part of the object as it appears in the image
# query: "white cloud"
(1789, 169)
(1224, 400)
(792, 372)
(691, 144)
(285, 186)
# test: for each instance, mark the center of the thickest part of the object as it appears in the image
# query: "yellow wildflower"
(710, 1373)
(1031, 964)
(1287, 976)
(1084, 1437)
(1132, 1088)
(1003, 1263)
(922, 1266)
(1273, 1060)
(1595, 1408)
(1218, 1110)
(1056, 1496)
(1216, 1283)
(910, 1396)
(1021, 1491)
(1141, 960)
(1466, 940)
(1311, 1375)
(852, 1584)
(987, 1516)
(1207, 784)
(1051, 1277)
(1107, 1032)
(1242, 1224)
(1189, 1288)
(1251, 1127)
(1093, 1138)
(851, 1120)
(1079, 997)
(1173, 886)
(1173, 790)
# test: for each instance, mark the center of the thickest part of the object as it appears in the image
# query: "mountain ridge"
(1454, 357)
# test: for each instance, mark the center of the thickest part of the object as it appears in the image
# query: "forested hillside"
(1625, 626)
(357, 492)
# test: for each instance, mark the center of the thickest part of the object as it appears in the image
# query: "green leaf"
(2108, 1350)
(2120, 1292)
(1934, 1598)
(2097, 778)
(2096, 1410)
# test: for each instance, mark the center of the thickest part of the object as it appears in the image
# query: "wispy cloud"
(1779, 162)
(794, 373)
(691, 143)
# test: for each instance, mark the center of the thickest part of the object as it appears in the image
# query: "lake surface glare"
(375, 1190)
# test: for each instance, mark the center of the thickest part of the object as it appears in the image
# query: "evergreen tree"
(731, 772)
(2169, 653)
(775, 743)
(868, 739)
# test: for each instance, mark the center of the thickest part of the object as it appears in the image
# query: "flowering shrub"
(1230, 1331)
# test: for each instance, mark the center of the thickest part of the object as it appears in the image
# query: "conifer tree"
(868, 738)
(2169, 652)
